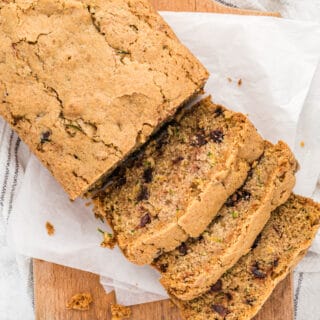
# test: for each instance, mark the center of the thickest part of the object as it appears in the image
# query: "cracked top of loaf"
(84, 83)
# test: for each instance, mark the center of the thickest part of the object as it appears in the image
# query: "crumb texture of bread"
(80, 301)
(84, 83)
(173, 188)
(234, 230)
(109, 240)
(119, 312)
(240, 293)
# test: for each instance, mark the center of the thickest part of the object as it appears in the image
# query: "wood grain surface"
(55, 285)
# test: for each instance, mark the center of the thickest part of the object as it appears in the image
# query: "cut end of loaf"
(246, 286)
(232, 233)
(163, 194)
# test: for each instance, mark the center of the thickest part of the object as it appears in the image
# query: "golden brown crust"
(269, 185)
(242, 290)
(80, 301)
(174, 187)
(84, 83)
(119, 312)
(202, 208)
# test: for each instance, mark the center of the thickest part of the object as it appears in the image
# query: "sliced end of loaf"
(231, 235)
(154, 202)
(242, 290)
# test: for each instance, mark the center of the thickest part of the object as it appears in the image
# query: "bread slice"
(242, 290)
(84, 83)
(174, 187)
(192, 268)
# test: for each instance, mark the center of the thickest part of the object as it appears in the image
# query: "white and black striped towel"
(15, 271)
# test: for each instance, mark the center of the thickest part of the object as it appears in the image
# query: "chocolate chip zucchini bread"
(241, 291)
(197, 264)
(174, 187)
(84, 83)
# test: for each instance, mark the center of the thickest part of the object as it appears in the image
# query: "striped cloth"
(15, 271)
(292, 9)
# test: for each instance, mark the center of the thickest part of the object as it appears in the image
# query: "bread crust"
(276, 190)
(284, 242)
(215, 171)
(86, 82)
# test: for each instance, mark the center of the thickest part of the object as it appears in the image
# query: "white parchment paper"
(276, 60)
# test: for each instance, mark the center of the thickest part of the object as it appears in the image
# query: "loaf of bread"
(241, 291)
(192, 268)
(174, 187)
(84, 83)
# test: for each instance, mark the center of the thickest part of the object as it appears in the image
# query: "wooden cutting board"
(55, 284)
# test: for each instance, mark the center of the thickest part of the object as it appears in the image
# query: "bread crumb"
(50, 228)
(119, 312)
(109, 240)
(302, 144)
(239, 82)
(80, 301)
(88, 204)
(229, 79)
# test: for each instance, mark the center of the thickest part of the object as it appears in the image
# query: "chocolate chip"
(256, 272)
(218, 112)
(216, 136)
(146, 219)
(183, 249)
(143, 194)
(163, 267)
(216, 287)
(45, 136)
(177, 159)
(199, 140)
(232, 200)
(275, 262)
(147, 175)
(221, 310)
(256, 242)
(229, 296)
